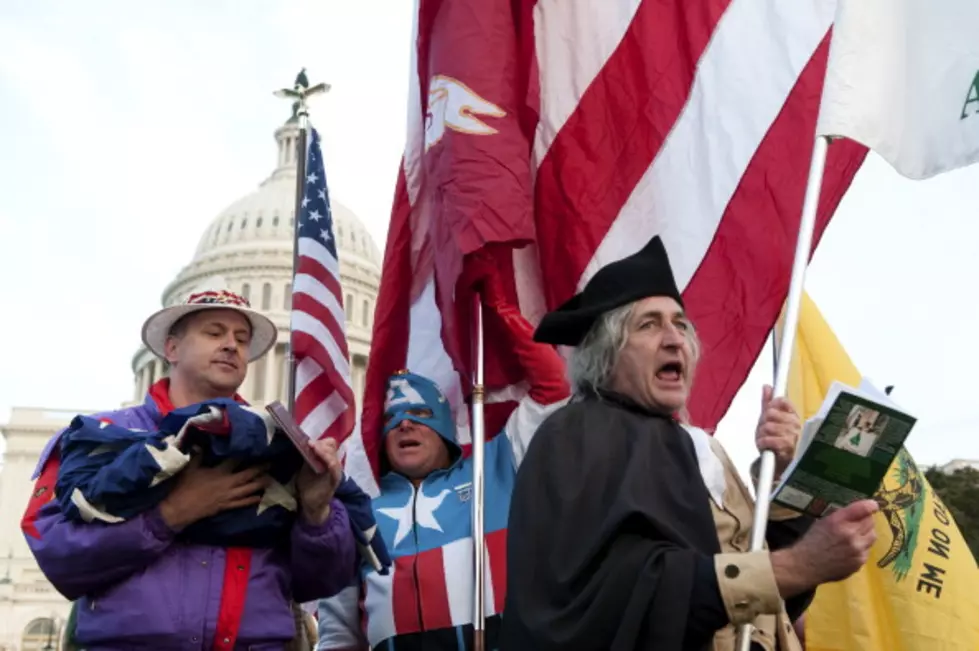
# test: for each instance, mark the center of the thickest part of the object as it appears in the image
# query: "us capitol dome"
(248, 246)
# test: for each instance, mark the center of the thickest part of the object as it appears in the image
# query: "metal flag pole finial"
(299, 94)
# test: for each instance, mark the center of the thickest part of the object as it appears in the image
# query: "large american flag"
(325, 403)
(564, 135)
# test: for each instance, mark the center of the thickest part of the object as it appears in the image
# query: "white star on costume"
(278, 495)
(315, 215)
(425, 508)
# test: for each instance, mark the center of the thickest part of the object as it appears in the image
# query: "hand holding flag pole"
(323, 359)
(320, 395)
(803, 248)
(859, 93)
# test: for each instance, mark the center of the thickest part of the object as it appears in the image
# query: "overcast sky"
(126, 127)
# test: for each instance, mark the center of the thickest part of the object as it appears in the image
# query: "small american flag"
(325, 403)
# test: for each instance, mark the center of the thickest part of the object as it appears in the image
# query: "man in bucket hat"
(630, 529)
(137, 582)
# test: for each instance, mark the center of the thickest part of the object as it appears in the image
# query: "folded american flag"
(110, 473)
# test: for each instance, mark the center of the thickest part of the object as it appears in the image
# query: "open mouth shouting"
(670, 373)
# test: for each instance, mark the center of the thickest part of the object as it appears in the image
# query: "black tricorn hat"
(641, 275)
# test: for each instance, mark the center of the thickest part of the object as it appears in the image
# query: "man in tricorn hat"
(630, 529)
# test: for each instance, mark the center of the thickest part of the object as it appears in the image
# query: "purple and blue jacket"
(139, 587)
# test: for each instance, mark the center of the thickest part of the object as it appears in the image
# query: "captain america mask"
(417, 399)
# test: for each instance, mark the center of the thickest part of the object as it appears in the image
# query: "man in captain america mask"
(424, 510)
(419, 431)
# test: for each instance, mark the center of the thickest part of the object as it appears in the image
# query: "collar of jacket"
(158, 401)
(625, 402)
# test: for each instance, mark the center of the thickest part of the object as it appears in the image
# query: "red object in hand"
(543, 366)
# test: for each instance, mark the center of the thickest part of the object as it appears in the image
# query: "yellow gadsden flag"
(920, 589)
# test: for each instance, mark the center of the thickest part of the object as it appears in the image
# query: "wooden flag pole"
(803, 248)
(478, 443)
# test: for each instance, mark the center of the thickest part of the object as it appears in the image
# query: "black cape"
(609, 522)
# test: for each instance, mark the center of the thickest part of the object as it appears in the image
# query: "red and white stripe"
(692, 119)
(325, 404)
(394, 602)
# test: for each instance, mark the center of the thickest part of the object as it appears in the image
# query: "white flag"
(903, 79)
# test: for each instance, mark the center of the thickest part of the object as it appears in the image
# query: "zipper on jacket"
(414, 563)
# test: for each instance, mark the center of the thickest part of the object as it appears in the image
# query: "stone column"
(285, 369)
(357, 372)
(269, 391)
(140, 384)
(245, 390)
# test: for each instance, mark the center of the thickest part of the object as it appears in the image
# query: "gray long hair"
(593, 360)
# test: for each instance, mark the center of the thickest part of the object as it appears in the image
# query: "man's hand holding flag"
(917, 592)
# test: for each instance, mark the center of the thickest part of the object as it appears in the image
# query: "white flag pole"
(803, 248)
(478, 442)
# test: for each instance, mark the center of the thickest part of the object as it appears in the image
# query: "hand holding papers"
(845, 451)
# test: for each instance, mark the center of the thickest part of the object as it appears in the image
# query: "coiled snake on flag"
(893, 503)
